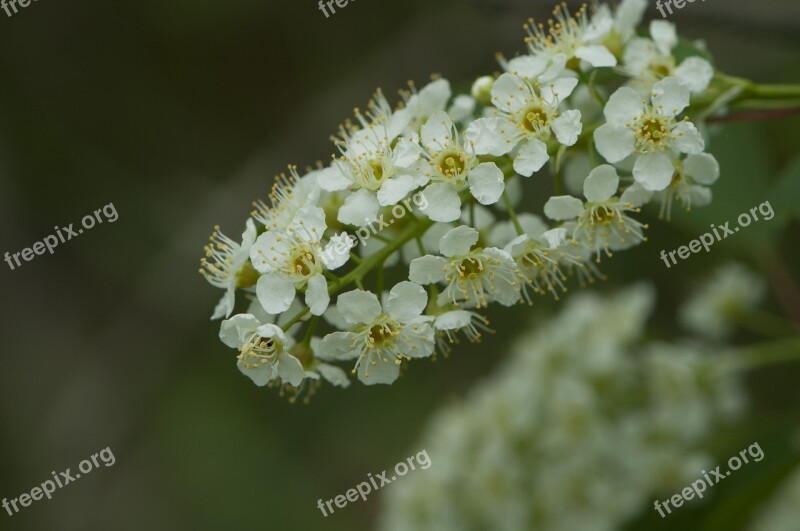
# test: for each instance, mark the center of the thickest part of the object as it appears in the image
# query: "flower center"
(379, 334)
(303, 262)
(451, 164)
(652, 132)
(535, 119)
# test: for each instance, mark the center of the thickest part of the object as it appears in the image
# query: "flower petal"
(437, 133)
(622, 106)
(696, 73)
(406, 301)
(331, 179)
(636, 195)
(654, 172)
(492, 136)
(337, 252)
(531, 156)
(338, 346)
(359, 209)
(527, 66)
(558, 90)
(614, 142)
(235, 331)
(702, 168)
(458, 241)
(384, 371)
(334, 375)
(359, 306)
(290, 369)
(309, 224)
(444, 205)
(601, 184)
(394, 190)
(563, 207)
(567, 127)
(486, 183)
(275, 293)
(689, 140)
(427, 269)
(317, 298)
(664, 35)
(670, 96)
(596, 55)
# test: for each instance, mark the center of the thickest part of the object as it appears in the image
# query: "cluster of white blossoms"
(588, 88)
(581, 429)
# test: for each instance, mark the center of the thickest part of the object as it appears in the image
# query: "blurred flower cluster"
(582, 428)
(589, 93)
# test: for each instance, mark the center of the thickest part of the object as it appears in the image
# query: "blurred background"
(180, 113)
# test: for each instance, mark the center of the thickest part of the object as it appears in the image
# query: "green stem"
(767, 354)
(312, 326)
(379, 288)
(512, 214)
(294, 320)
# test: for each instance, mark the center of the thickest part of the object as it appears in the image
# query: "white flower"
(732, 291)
(473, 277)
(381, 337)
(528, 115)
(294, 260)
(451, 166)
(567, 41)
(602, 223)
(650, 130)
(451, 322)
(377, 168)
(224, 263)
(648, 61)
(289, 194)
(690, 183)
(263, 350)
(420, 106)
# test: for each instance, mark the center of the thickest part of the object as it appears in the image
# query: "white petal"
(696, 73)
(699, 195)
(622, 106)
(654, 172)
(269, 330)
(309, 224)
(358, 306)
(337, 252)
(689, 140)
(462, 108)
(614, 142)
(636, 195)
(394, 190)
(331, 179)
(334, 375)
(290, 369)
(235, 331)
(531, 157)
(453, 320)
(427, 269)
(405, 153)
(670, 96)
(317, 298)
(555, 237)
(510, 93)
(406, 301)
(385, 371)
(359, 208)
(629, 15)
(267, 248)
(567, 127)
(557, 64)
(486, 183)
(458, 241)
(527, 66)
(437, 133)
(275, 293)
(338, 346)
(664, 35)
(601, 184)
(492, 136)
(224, 307)
(432, 97)
(596, 55)
(444, 205)
(558, 90)
(563, 207)
(639, 54)
(702, 168)
(261, 375)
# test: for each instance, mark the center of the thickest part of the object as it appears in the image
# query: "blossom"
(602, 222)
(449, 323)
(690, 184)
(528, 115)
(225, 266)
(294, 260)
(450, 166)
(567, 42)
(263, 350)
(473, 277)
(381, 336)
(289, 194)
(650, 130)
(649, 60)
(732, 291)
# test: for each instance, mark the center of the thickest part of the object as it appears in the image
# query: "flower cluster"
(582, 428)
(465, 246)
